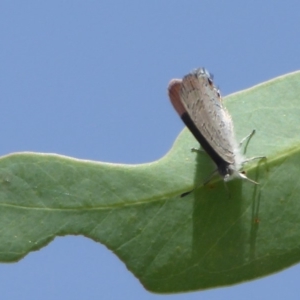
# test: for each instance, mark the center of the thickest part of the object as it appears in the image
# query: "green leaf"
(215, 236)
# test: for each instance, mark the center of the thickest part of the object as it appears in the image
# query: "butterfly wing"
(203, 103)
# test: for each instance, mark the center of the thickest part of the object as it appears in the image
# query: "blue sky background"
(88, 79)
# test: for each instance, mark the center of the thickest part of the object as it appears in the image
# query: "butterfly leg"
(247, 138)
(197, 150)
(253, 158)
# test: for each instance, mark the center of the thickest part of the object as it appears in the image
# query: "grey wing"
(203, 103)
